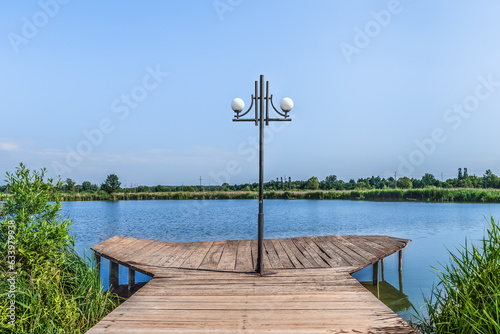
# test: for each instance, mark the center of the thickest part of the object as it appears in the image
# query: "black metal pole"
(260, 257)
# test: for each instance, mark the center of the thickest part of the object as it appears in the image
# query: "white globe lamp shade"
(286, 104)
(237, 104)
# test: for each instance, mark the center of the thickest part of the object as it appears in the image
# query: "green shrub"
(56, 291)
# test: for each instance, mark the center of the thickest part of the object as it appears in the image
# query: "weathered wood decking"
(206, 287)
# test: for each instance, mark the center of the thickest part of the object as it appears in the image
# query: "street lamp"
(260, 118)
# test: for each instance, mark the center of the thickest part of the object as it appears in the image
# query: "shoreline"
(433, 195)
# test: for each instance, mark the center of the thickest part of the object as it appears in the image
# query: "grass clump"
(45, 286)
(467, 297)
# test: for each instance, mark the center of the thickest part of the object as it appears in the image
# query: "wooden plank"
(320, 297)
(332, 262)
(108, 244)
(273, 257)
(118, 245)
(149, 252)
(162, 260)
(306, 262)
(211, 260)
(310, 253)
(337, 256)
(284, 259)
(196, 258)
(385, 244)
(127, 251)
(228, 258)
(352, 257)
(186, 248)
(289, 252)
(357, 247)
(253, 245)
(244, 256)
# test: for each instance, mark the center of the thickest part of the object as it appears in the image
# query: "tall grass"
(56, 290)
(467, 297)
(463, 195)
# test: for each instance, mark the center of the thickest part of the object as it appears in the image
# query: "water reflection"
(395, 299)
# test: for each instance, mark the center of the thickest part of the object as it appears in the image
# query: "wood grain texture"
(210, 287)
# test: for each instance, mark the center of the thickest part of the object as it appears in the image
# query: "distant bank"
(466, 195)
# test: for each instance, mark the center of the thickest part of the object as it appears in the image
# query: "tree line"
(331, 182)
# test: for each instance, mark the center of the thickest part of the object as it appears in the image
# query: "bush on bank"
(45, 286)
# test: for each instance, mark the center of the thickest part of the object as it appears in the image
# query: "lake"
(432, 227)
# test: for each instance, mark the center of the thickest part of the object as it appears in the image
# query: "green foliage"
(312, 183)
(111, 185)
(490, 180)
(89, 187)
(70, 185)
(34, 207)
(56, 290)
(429, 194)
(467, 297)
(404, 183)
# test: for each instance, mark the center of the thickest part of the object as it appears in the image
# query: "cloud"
(9, 147)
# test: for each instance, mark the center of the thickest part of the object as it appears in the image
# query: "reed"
(467, 297)
(432, 194)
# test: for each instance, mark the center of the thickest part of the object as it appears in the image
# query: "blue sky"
(143, 89)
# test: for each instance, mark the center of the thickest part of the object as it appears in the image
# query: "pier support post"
(131, 280)
(113, 275)
(97, 258)
(401, 281)
(401, 260)
(382, 269)
(375, 273)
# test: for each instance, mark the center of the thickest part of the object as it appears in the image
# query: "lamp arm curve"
(272, 104)
(246, 112)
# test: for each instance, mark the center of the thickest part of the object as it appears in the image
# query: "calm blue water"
(433, 227)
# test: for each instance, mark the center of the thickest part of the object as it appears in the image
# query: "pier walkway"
(209, 287)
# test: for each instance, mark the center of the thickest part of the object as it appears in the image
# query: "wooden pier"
(209, 287)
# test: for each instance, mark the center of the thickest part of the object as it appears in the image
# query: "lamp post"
(261, 119)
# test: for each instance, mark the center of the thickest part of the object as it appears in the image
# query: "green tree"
(331, 181)
(160, 189)
(312, 183)
(189, 188)
(428, 180)
(144, 189)
(111, 185)
(69, 185)
(86, 186)
(490, 180)
(404, 183)
(361, 184)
